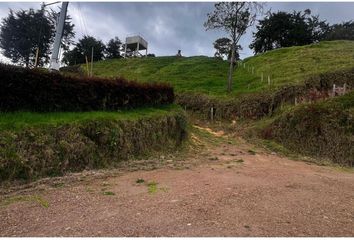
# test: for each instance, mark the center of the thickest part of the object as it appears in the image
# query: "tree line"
(26, 38)
(276, 30)
(284, 29)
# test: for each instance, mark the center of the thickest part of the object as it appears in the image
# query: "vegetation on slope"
(34, 145)
(208, 75)
(323, 130)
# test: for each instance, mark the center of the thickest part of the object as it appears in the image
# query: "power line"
(81, 13)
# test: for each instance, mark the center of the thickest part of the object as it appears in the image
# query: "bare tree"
(234, 18)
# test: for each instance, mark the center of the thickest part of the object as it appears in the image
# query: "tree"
(113, 49)
(223, 49)
(83, 49)
(68, 31)
(25, 31)
(342, 31)
(222, 46)
(234, 18)
(284, 29)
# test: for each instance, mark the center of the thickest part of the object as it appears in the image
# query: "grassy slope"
(20, 120)
(208, 75)
(323, 130)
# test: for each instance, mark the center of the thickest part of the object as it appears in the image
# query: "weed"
(252, 152)
(108, 193)
(58, 185)
(163, 189)
(213, 158)
(152, 187)
(140, 180)
(25, 198)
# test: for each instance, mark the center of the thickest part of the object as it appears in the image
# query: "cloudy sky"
(170, 26)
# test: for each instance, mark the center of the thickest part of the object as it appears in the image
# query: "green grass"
(208, 75)
(152, 187)
(25, 198)
(20, 120)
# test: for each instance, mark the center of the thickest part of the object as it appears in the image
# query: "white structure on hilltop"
(133, 46)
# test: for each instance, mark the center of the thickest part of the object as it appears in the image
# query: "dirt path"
(233, 192)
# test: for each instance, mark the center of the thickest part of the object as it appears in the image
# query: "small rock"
(189, 224)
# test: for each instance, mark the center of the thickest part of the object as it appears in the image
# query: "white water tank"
(134, 44)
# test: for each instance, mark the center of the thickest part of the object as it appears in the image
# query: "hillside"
(35, 145)
(208, 75)
(324, 130)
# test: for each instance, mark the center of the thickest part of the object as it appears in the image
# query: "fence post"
(344, 88)
(334, 90)
(212, 114)
(268, 80)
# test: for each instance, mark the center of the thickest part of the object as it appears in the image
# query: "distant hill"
(208, 75)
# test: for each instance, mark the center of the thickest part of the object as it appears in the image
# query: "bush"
(39, 90)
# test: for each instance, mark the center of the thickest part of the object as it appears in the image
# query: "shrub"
(39, 90)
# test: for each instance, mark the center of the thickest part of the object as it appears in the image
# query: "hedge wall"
(38, 90)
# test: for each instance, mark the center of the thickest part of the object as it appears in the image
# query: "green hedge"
(39, 90)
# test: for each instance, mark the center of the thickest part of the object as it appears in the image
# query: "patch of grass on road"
(25, 198)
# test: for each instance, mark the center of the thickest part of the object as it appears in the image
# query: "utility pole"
(43, 5)
(54, 61)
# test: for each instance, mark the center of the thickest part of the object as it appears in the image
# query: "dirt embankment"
(323, 130)
(53, 150)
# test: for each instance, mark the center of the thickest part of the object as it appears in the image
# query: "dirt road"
(232, 192)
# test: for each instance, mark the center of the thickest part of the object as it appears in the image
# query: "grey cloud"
(171, 26)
